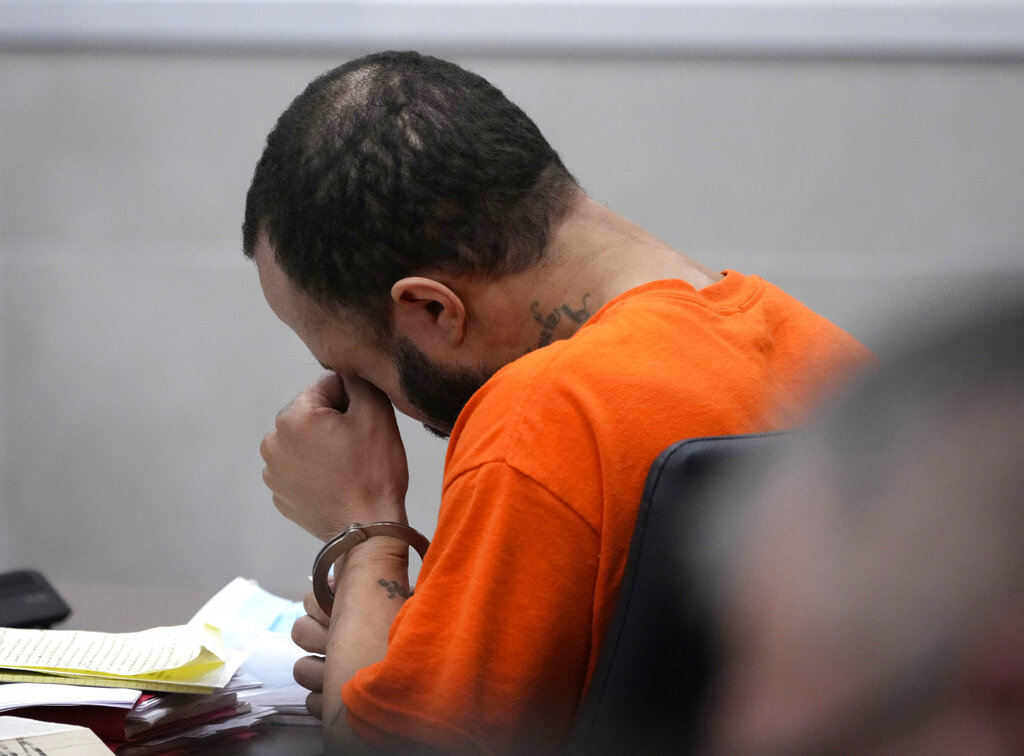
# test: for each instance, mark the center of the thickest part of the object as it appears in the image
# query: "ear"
(428, 313)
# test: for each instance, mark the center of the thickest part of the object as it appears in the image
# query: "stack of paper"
(187, 658)
(226, 672)
(259, 623)
(103, 710)
(156, 713)
(119, 715)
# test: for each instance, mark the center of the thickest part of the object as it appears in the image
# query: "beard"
(439, 392)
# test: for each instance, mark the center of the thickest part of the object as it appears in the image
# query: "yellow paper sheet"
(172, 654)
(206, 685)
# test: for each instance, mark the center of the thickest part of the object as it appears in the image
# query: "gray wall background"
(140, 367)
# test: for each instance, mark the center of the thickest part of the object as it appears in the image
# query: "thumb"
(329, 392)
(364, 394)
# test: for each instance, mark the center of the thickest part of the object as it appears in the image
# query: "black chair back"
(652, 677)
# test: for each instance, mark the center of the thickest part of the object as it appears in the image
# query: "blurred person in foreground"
(419, 234)
(869, 584)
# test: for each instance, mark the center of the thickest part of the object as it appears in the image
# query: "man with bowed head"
(423, 239)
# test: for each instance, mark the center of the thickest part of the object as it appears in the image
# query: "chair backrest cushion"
(652, 676)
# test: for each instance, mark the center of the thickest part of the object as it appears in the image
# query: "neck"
(594, 256)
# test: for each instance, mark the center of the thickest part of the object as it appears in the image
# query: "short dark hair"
(399, 163)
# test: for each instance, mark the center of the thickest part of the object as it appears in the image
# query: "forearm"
(371, 584)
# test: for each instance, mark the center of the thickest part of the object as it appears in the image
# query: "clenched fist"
(335, 457)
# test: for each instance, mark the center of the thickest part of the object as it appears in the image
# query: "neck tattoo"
(549, 322)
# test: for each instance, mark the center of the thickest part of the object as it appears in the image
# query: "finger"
(363, 393)
(310, 635)
(287, 408)
(312, 607)
(328, 391)
(267, 447)
(282, 504)
(315, 705)
(309, 673)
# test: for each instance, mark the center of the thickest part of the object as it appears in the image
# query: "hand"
(335, 457)
(310, 634)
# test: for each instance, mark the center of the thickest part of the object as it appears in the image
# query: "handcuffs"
(348, 539)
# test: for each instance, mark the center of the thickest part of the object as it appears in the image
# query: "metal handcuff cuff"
(348, 539)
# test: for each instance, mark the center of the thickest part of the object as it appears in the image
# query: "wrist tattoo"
(394, 588)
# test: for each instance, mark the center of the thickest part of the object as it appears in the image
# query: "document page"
(20, 695)
(28, 737)
(164, 653)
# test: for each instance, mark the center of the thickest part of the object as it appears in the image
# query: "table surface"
(126, 608)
